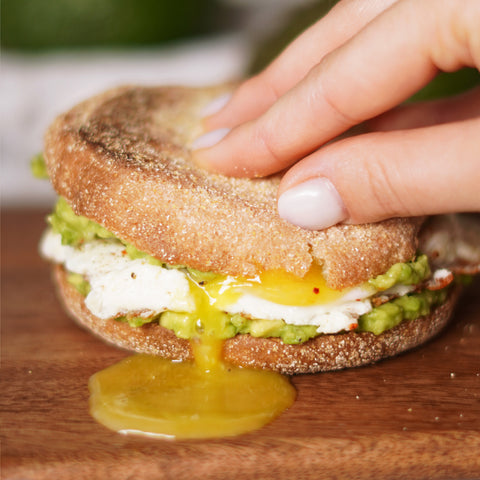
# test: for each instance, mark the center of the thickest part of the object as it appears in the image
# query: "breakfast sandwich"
(151, 252)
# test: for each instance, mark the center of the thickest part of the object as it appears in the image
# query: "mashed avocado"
(76, 230)
(409, 273)
(77, 281)
(38, 167)
(185, 325)
(407, 307)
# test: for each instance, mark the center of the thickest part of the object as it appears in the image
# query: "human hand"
(355, 66)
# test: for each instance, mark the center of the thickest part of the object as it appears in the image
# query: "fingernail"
(314, 204)
(216, 105)
(209, 139)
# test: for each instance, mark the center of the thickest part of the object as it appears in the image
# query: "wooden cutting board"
(414, 416)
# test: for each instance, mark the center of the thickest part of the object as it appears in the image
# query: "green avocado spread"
(38, 167)
(409, 273)
(76, 230)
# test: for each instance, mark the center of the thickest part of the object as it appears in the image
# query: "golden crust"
(123, 160)
(324, 353)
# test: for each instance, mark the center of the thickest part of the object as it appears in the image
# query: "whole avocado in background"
(38, 25)
(443, 85)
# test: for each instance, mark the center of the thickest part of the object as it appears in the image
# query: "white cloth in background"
(36, 88)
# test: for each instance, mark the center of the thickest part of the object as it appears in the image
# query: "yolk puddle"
(153, 396)
(206, 398)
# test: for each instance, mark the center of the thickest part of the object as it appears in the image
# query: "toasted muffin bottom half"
(320, 354)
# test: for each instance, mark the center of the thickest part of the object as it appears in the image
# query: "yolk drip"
(202, 399)
(154, 396)
(275, 286)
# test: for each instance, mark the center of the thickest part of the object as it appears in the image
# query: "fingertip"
(209, 139)
(216, 105)
(201, 154)
(208, 152)
(314, 204)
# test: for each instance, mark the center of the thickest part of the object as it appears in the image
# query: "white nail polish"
(216, 105)
(314, 204)
(209, 139)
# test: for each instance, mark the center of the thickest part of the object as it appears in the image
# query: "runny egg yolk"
(277, 286)
(153, 396)
(206, 398)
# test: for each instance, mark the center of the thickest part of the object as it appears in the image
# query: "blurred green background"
(444, 84)
(39, 25)
(44, 24)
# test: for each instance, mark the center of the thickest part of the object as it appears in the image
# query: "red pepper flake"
(353, 326)
(124, 252)
(316, 290)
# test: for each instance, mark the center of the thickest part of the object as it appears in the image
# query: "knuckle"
(267, 138)
(265, 87)
(325, 91)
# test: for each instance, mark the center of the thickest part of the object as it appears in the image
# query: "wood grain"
(415, 416)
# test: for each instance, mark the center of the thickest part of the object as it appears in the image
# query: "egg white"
(120, 285)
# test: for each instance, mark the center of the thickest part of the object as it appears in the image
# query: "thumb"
(380, 175)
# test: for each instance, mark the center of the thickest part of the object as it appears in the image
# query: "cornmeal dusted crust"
(323, 353)
(123, 160)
